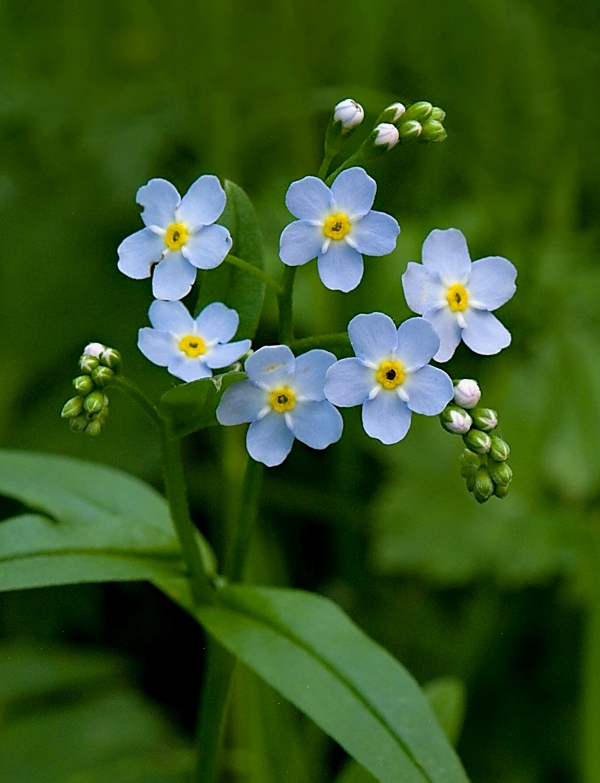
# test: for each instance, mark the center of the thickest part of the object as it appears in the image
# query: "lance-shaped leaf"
(235, 287)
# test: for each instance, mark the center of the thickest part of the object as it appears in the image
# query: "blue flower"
(180, 236)
(336, 225)
(282, 399)
(390, 376)
(191, 348)
(456, 296)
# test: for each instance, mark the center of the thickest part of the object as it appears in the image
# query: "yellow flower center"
(192, 345)
(336, 226)
(282, 399)
(176, 236)
(458, 297)
(390, 374)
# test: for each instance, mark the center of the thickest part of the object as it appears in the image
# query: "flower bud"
(349, 113)
(420, 111)
(466, 393)
(392, 113)
(484, 419)
(483, 488)
(468, 458)
(501, 472)
(110, 357)
(79, 423)
(83, 384)
(386, 135)
(72, 408)
(499, 449)
(93, 349)
(94, 428)
(87, 363)
(410, 130)
(437, 114)
(455, 419)
(479, 442)
(94, 402)
(102, 376)
(501, 490)
(433, 130)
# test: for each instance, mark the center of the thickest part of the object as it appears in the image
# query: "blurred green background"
(96, 98)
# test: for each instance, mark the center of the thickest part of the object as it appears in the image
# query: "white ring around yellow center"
(390, 374)
(176, 236)
(336, 226)
(457, 297)
(282, 399)
(192, 345)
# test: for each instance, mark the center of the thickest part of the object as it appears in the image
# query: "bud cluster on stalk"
(484, 461)
(88, 410)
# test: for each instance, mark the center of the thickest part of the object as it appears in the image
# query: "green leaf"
(95, 524)
(192, 406)
(447, 698)
(305, 647)
(228, 284)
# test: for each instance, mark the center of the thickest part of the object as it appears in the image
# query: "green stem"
(244, 519)
(591, 670)
(325, 166)
(328, 341)
(356, 158)
(254, 270)
(286, 323)
(138, 396)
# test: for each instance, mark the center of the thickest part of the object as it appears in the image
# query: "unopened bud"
(349, 113)
(79, 423)
(420, 111)
(93, 349)
(72, 408)
(483, 488)
(87, 363)
(102, 376)
(94, 402)
(468, 458)
(410, 130)
(437, 114)
(455, 419)
(501, 472)
(386, 135)
(467, 393)
(392, 113)
(94, 428)
(83, 384)
(484, 419)
(501, 490)
(479, 442)
(110, 357)
(433, 130)
(499, 449)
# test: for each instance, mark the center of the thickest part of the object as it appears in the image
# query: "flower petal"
(240, 403)
(173, 277)
(375, 234)
(417, 343)
(217, 323)
(340, 267)
(317, 424)
(484, 333)
(422, 290)
(446, 253)
(492, 282)
(309, 376)
(271, 366)
(309, 198)
(386, 417)
(300, 242)
(208, 247)
(224, 355)
(188, 368)
(373, 336)
(447, 329)
(349, 383)
(159, 347)
(269, 440)
(203, 203)
(354, 191)
(160, 199)
(138, 252)
(171, 317)
(429, 390)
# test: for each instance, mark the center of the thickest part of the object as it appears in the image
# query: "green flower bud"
(102, 376)
(433, 130)
(499, 449)
(484, 486)
(501, 490)
(83, 384)
(455, 420)
(468, 458)
(392, 114)
(110, 357)
(470, 477)
(420, 111)
(484, 419)
(94, 428)
(410, 130)
(72, 408)
(501, 472)
(437, 114)
(79, 423)
(477, 441)
(87, 363)
(94, 402)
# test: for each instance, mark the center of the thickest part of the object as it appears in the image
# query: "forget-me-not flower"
(180, 236)
(390, 375)
(191, 348)
(282, 399)
(456, 296)
(336, 226)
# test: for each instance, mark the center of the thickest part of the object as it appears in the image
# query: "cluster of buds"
(87, 411)
(420, 121)
(484, 461)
